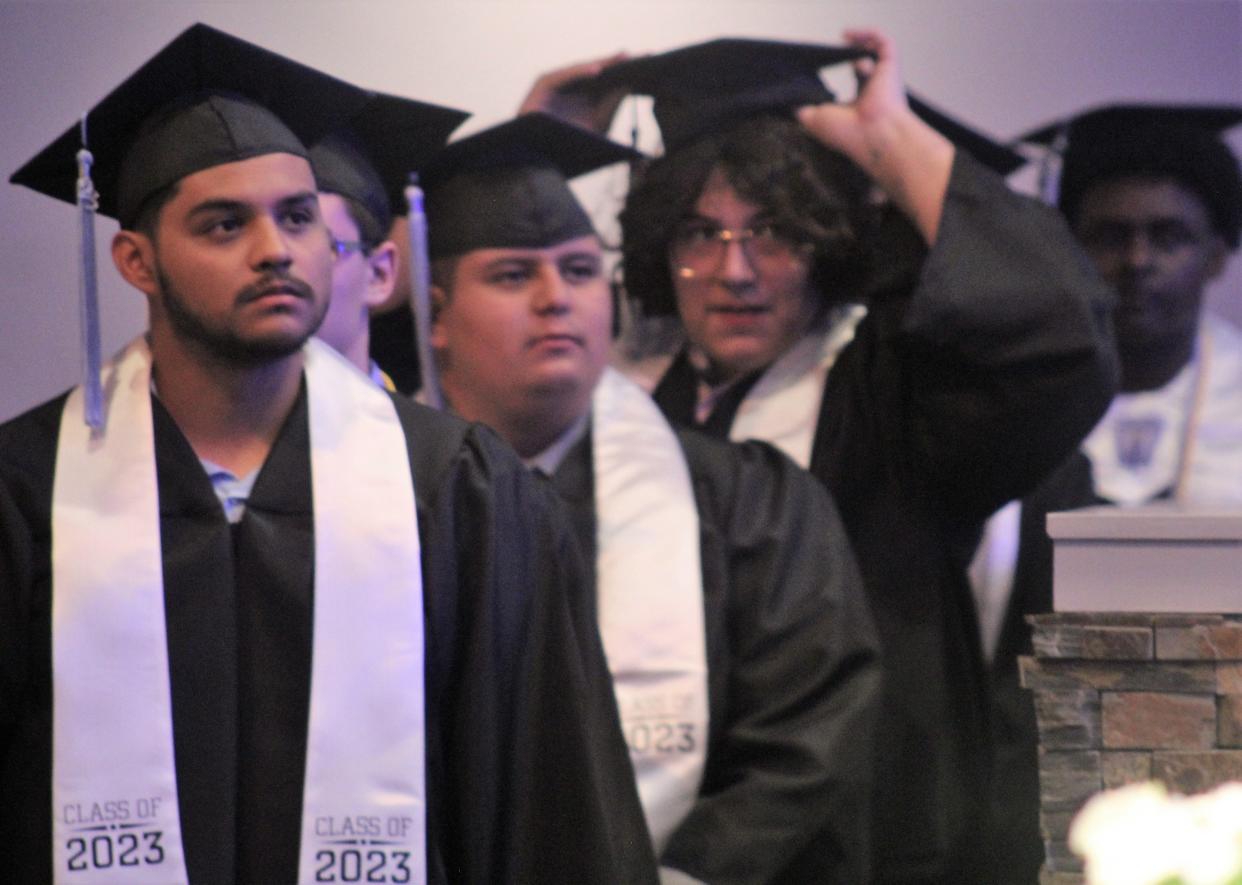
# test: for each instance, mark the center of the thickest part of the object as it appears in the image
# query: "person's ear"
(133, 254)
(382, 264)
(439, 301)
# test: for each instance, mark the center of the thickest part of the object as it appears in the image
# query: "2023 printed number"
(660, 737)
(356, 865)
(107, 850)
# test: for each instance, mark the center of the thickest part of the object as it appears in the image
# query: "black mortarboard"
(205, 99)
(508, 186)
(986, 150)
(370, 159)
(709, 86)
(1182, 142)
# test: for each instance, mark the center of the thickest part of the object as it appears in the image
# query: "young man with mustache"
(261, 621)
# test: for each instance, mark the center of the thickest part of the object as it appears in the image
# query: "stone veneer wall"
(1121, 698)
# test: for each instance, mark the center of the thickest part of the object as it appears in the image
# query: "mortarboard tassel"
(1050, 167)
(88, 203)
(420, 293)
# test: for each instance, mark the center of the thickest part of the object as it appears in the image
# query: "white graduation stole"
(364, 804)
(651, 598)
(783, 406)
(1137, 448)
(1212, 461)
(115, 813)
(114, 791)
(1185, 437)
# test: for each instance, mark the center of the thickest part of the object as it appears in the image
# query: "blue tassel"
(420, 286)
(1050, 167)
(88, 203)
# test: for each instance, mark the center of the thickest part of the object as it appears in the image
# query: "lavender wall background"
(1006, 65)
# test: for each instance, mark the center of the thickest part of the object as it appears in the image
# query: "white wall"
(1005, 64)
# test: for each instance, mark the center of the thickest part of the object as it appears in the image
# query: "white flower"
(1140, 835)
(1121, 834)
(1213, 852)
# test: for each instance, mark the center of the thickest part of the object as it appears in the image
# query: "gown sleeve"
(795, 679)
(537, 783)
(985, 374)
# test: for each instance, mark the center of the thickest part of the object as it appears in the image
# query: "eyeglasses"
(698, 247)
(345, 248)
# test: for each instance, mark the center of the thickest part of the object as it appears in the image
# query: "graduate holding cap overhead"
(857, 288)
(1155, 196)
(262, 621)
(743, 656)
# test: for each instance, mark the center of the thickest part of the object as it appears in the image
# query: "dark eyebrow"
(299, 199)
(241, 206)
(524, 260)
(220, 205)
(582, 255)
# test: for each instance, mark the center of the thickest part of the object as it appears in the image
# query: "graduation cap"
(996, 156)
(205, 99)
(1182, 142)
(508, 186)
(370, 159)
(710, 86)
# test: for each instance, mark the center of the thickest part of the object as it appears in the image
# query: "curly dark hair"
(813, 194)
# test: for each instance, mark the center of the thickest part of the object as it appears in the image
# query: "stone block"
(1196, 772)
(1095, 642)
(1040, 674)
(1155, 720)
(1029, 665)
(1067, 778)
(1171, 619)
(1058, 641)
(1049, 877)
(1068, 719)
(1049, 620)
(1059, 859)
(1054, 825)
(1218, 641)
(1120, 768)
(1229, 721)
(1228, 678)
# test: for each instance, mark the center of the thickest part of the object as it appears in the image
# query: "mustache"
(283, 284)
(566, 333)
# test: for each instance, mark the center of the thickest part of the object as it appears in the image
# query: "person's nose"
(269, 245)
(552, 292)
(1139, 253)
(735, 269)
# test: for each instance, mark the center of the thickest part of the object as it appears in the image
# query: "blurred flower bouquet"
(1142, 835)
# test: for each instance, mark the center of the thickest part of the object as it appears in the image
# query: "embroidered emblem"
(1136, 440)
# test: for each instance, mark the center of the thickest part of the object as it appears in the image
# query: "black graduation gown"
(793, 671)
(528, 778)
(969, 379)
(394, 347)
